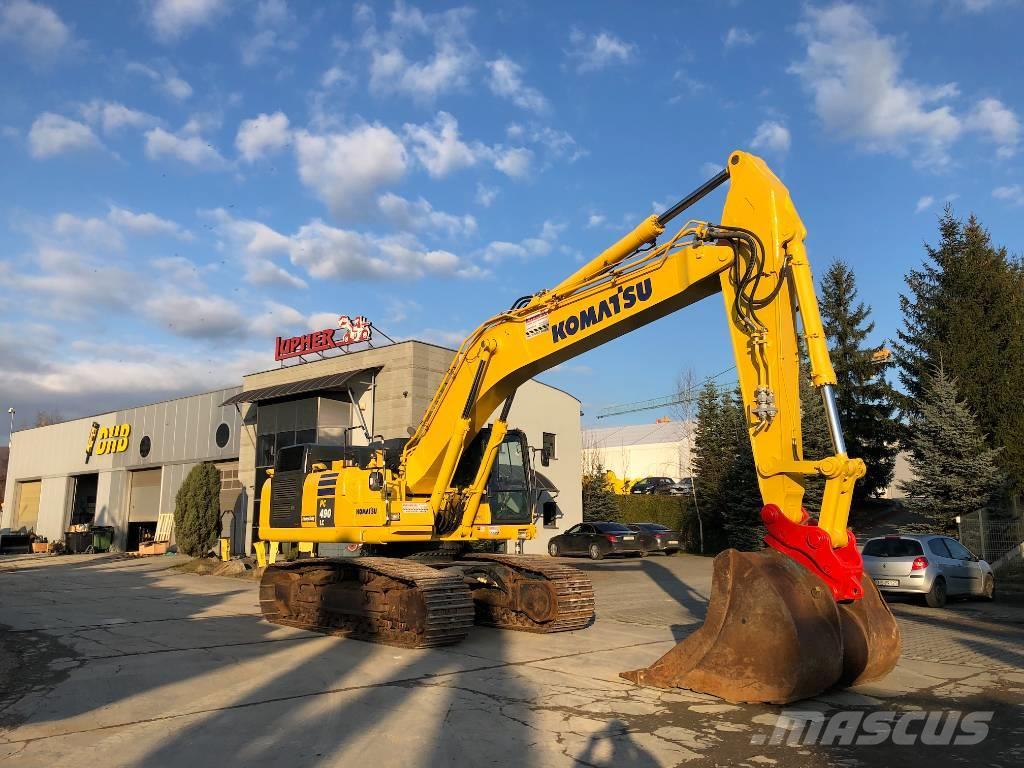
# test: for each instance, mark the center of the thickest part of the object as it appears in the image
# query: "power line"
(679, 398)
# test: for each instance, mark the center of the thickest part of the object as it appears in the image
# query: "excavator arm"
(755, 257)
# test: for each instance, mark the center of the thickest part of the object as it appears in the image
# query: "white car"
(935, 567)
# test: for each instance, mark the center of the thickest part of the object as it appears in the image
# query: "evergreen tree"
(866, 401)
(197, 510)
(817, 442)
(964, 311)
(955, 472)
(599, 502)
(712, 460)
(741, 495)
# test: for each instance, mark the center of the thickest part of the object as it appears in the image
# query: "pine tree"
(866, 401)
(955, 472)
(197, 510)
(712, 460)
(741, 495)
(599, 502)
(964, 310)
(817, 442)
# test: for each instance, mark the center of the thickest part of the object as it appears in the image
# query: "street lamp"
(10, 411)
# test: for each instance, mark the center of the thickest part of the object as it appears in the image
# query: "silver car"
(936, 567)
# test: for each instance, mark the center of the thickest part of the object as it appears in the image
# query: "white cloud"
(173, 19)
(506, 80)
(92, 231)
(262, 135)
(345, 168)
(420, 216)
(707, 170)
(146, 223)
(531, 247)
(167, 80)
(327, 252)
(441, 337)
(737, 36)
(111, 116)
(256, 245)
(334, 76)
(558, 145)
(438, 147)
(392, 70)
(860, 92)
(76, 285)
(589, 53)
(514, 162)
(485, 195)
(34, 27)
(186, 145)
(275, 31)
(772, 137)
(992, 117)
(595, 220)
(55, 134)
(924, 203)
(1012, 194)
(195, 316)
(330, 253)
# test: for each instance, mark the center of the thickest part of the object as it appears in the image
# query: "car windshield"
(611, 527)
(893, 548)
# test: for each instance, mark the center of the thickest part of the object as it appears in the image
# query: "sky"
(184, 180)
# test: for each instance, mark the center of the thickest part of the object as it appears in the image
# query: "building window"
(223, 435)
(145, 444)
(547, 452)
(551, 514)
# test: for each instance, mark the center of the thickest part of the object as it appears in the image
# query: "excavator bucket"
(774, 634)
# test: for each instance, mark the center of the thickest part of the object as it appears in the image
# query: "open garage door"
(27, 512)
(143, 507)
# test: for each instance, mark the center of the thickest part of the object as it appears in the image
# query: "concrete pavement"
(116, 662)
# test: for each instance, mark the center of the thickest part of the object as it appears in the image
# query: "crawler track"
(573, 590)
(377, 599)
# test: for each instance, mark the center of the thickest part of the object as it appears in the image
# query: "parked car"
(655, 537)
(935, 567)
(597, 540)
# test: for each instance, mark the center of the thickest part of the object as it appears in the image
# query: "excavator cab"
(509, 491)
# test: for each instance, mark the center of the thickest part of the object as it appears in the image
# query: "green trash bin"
(102, 538)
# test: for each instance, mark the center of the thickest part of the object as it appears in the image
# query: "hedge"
(675, 512)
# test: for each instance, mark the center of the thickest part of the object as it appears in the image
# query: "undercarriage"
(414, 603)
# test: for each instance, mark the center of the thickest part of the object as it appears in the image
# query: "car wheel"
(553, 548)
(595, 552)
(988, 591)
(936, 597)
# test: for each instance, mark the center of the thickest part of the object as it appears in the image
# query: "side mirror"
(319, 466)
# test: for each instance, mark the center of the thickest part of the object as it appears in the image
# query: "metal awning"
(335, 382)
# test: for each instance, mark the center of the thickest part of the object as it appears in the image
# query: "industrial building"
(123, 468)
(636, 451)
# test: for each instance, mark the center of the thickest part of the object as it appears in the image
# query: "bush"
(675, 512)
(197, 511)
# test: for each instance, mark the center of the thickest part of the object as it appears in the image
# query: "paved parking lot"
(113, 662)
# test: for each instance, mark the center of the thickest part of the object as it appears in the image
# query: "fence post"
(981, 529)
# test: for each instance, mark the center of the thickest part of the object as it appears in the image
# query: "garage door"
(28, 505)
(145, 496)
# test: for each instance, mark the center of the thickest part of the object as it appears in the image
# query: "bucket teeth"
(774, 634)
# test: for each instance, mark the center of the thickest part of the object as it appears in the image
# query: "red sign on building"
(349, 331)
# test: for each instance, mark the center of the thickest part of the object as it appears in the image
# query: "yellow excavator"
(782, 624)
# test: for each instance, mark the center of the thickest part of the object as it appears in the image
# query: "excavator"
(782, 624)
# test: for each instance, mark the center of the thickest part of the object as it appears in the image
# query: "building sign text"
(350, 331)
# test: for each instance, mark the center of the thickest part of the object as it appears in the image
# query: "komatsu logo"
(596, 314)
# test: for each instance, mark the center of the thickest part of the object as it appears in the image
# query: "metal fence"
(992, 536)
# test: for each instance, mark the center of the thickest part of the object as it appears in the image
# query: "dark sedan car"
(655, 537)
(596, 540)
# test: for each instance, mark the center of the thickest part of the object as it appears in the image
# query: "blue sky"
(185, 179)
